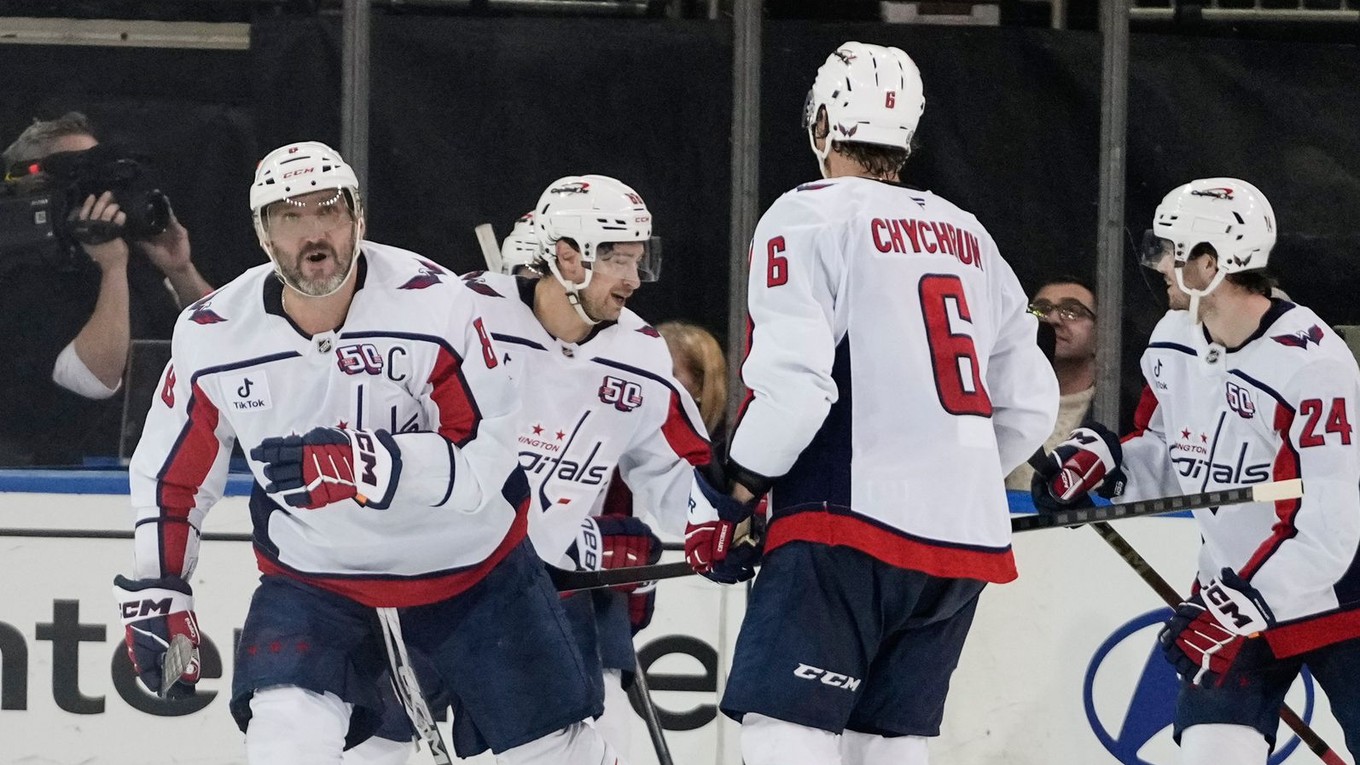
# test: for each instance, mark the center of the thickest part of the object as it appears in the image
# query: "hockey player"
(1242, 388)
(376, 412)
(598, 398)
(519, 251)
(598, 394)
(894, 381)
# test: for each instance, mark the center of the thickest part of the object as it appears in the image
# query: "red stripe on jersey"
(684, 439)
(186, 468)
(1300, 637)
(1286, 468)
(404, 592)
(458, 413)
(1142, 416)
(893, 549)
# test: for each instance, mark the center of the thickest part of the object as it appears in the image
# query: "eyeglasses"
(1068, 310)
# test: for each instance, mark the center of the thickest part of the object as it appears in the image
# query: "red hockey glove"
(641, 605)
(1214, 637)
(158, 619)
(615, 541)
(712, 545)
(330, 465)
(1089, 460)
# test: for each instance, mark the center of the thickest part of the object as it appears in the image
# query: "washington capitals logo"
(1302, 338)
(573, 187)
(428, 276)
(649, 331)
(202, 314)
(1221, 192)
(476, 282)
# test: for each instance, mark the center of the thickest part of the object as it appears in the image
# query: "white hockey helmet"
(591, 211)
(302, 168)
(871, 94)
(1228, 214)
(520, 247)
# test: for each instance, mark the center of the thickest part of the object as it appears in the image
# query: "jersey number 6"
(958, 376)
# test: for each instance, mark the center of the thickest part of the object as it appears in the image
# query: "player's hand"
(330, 465)
(1089, 460)
(614, 541)
(1215, 636)
(712, 545)
(154, 611)
(641, 604)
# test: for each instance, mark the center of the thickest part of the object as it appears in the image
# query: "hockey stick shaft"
(1172, 598)
(642, 695)
(1261, 492)
(491, 251)
(584, 580)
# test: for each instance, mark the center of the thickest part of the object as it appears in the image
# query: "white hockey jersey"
(413, 358)
(894, 378)
(607, 401)
(1278, 407)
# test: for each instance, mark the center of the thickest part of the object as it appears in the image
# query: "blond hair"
(697, 352)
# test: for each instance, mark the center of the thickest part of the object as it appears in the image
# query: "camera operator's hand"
(169, 251)
(102, 216)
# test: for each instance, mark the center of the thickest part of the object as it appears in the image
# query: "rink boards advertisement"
(1062, 666)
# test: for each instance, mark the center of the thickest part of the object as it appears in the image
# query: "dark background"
(472, 117)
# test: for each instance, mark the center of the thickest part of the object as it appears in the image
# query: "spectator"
(702, 369)
(75, 312)
(1068, 305)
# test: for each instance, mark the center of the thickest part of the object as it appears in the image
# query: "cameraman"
(71, 318)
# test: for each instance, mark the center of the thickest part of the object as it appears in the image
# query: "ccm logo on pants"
(833, 679)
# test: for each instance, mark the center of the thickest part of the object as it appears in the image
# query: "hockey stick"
(1173, 598)
(408, 688)
(1261, 492)
(491, 252)
(642, 697)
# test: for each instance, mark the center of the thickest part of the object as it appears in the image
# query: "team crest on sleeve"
(648, 330)
(476, 281)
(201, 313)
(1302, 338)
(428, 276)
(624, 395)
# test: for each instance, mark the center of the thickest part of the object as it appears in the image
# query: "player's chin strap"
(1196, 294)
(573, 290)
(823, 152)
(278, 272)
(408, 688)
